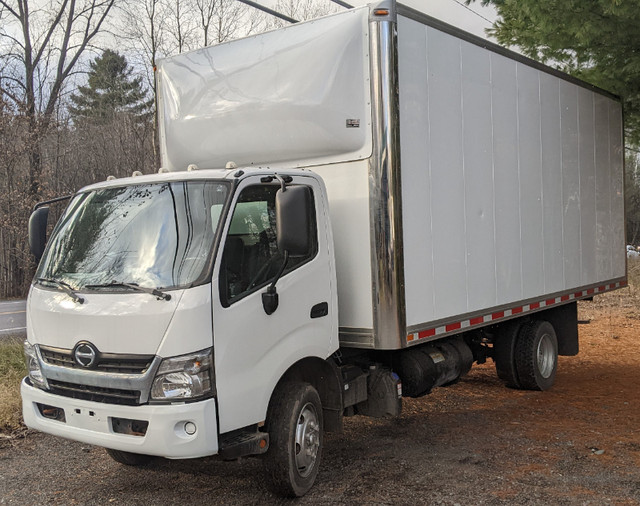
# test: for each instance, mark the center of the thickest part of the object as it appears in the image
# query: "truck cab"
(165, 311)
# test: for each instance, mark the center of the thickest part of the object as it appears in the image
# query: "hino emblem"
(85, 354)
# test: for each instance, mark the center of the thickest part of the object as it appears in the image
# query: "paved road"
(13, 318)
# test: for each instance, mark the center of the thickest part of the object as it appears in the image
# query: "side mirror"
(38, 231)
(293, 219)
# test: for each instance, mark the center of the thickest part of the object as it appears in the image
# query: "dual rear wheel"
(526, 355)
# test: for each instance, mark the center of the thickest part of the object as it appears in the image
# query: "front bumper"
(92, 423)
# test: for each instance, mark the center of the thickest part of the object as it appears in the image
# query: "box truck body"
(358, 205)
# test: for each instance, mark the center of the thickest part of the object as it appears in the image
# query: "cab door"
(253, 349)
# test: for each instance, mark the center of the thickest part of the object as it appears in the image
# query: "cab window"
(251, 259)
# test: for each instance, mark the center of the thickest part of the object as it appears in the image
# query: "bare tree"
(41, 44)
(302, 10)
(183, 25)
(146, 29)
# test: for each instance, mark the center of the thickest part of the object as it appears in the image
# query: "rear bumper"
(92, 423)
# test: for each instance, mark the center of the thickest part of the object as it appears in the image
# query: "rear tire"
(295, 426)
(536, 355)
(504, 354)
(128, 458)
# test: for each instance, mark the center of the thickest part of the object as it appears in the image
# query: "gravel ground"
(476, 442)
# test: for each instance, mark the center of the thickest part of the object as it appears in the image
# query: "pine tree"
(110, 90)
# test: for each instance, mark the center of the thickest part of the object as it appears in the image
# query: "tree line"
(77, 93)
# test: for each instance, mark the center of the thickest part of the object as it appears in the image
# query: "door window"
(251, 259)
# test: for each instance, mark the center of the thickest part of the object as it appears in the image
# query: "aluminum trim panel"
(385, 190)
(356, 338)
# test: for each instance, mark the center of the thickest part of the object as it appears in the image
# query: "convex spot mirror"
(293, 217)
(38, 231)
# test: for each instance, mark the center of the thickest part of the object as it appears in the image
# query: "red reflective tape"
(453, 326)
(476, 321)
(550, 301)
(426, 333)
(534, 305)
(602, 288)
(564, 297)
(498, 315)
(578, 294)
(516, 310)
(623, 283)
(590, 291)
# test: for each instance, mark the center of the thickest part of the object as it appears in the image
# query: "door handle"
(320, 310)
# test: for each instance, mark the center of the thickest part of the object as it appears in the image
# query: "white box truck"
(350, 210)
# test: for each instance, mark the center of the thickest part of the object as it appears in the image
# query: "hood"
(123, 322)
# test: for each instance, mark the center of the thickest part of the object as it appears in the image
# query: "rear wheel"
(128, 458)
(295, 427)
(504, 351)
(536, 355)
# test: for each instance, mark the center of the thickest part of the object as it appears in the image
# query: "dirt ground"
(476, 442)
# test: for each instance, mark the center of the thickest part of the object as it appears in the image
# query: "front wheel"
(128, 458)
(295, 426)
(536, 355)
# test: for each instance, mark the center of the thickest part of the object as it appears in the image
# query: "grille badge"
(85, 354)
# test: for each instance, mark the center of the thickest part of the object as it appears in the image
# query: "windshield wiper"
(134, 286)
(65, 287)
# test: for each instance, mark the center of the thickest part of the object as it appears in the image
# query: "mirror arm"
(272, 286)
(52, 201)
(283, 182)
(270, 297)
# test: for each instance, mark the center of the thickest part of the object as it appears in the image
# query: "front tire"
(128, 458)
(295, 426)
(537, 355)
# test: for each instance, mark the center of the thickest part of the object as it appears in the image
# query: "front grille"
(105, 362)
(95, 394)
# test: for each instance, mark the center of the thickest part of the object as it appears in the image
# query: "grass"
(12, 370)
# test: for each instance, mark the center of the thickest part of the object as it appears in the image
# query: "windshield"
(153, 235)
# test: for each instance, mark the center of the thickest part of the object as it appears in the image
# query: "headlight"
(33, 366)
(183, 377)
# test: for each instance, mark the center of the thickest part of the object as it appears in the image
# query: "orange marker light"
(381, 12)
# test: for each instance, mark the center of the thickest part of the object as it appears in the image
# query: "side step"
(234, 445)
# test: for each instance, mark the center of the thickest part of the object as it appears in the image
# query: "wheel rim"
(307, 439)
(546, 356)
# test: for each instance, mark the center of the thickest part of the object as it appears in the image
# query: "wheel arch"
(324, 376)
